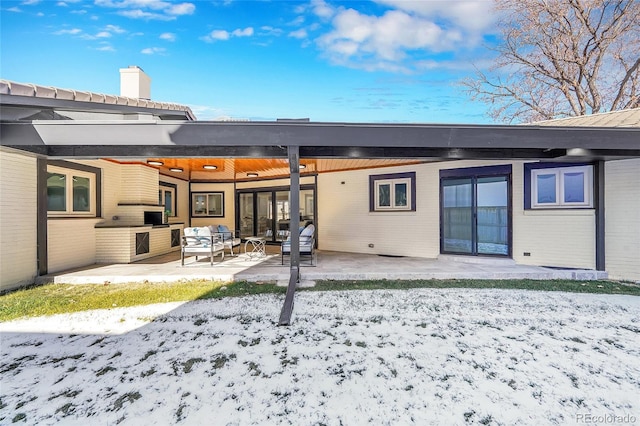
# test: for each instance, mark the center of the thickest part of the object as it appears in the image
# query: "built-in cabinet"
(126, 244)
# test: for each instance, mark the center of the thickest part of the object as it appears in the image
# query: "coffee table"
(254, 247)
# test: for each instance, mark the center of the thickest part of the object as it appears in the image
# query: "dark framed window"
(73, 189)
(207, 204)
(558, 186)
(392, 192)
(168, 197)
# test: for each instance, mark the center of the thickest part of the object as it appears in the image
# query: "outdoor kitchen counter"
(117, 243)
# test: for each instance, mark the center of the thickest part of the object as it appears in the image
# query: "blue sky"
(356, 61)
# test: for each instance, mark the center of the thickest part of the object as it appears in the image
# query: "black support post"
(600, 216)
(294, 215)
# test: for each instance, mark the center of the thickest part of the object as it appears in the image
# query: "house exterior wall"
(563, 238)
(18, 219)
(560, 237)
(138, 184)
(71, 243)
(622, 219)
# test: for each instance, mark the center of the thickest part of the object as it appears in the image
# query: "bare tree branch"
(562, 58)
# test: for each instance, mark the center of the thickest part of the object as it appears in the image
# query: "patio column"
(294, 215)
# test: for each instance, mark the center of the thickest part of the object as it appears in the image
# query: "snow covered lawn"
(420, 356)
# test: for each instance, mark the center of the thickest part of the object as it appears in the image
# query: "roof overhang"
(317, 140)
(169, 112)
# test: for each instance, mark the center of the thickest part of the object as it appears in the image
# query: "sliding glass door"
(265, 212)
(457, 215)
(475, 212)
(492, 215)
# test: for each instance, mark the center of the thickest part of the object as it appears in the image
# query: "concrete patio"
(328, 265)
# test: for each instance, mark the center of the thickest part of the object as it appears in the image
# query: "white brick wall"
(18, 219)
(553, 238)
(622, 217)
(562, 238)
(71, 243)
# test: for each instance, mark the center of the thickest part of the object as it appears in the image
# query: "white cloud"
(73, 31)
(219, 35)
(62, 4)
(114, 29)
(471, 15)
(247, 32)
(182, 9)
(79, 12)
(301, 33)
(30, 2)
(394, 40)
(149, 9)
(297, 22)
(270, 31)
(107, 48)
(140, 14)
(153, 50)
(168, 36)
(322, 10)
(103, 34)
(222, 35)
(386, 37)
(14, 9)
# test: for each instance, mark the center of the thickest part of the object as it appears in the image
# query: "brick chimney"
(134, 83)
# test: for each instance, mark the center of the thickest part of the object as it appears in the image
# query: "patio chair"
(307, 242)
(227, 236)
(200, 241)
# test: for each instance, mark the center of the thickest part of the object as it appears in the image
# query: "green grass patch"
(601, 287)
(53, 299)
(65, 298)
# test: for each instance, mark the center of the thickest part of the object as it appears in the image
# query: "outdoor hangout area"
(327, 265)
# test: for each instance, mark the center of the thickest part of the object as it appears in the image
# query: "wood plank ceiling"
(228, 169)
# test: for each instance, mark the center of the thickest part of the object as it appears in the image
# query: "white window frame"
(69, 175)
(560, 173)
(392, 183)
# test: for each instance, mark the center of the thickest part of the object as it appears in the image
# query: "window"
(560, 187)
(167, 197)
(70, 192)
(209, 204)
(392, 192)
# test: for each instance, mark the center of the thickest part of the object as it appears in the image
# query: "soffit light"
(209, 167)
(155, 163)
(302, 166)
(252, 175)
(177, 169)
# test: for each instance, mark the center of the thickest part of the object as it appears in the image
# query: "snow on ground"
(385, 357)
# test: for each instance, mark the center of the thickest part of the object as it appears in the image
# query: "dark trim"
(87, 169)
(372, 183)
(274, 188)
(528, 167)
(351, 138)
(484, 171)
(191, 194)
(141, 204)
(599, 204)
(42, 217)
(175, 191)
